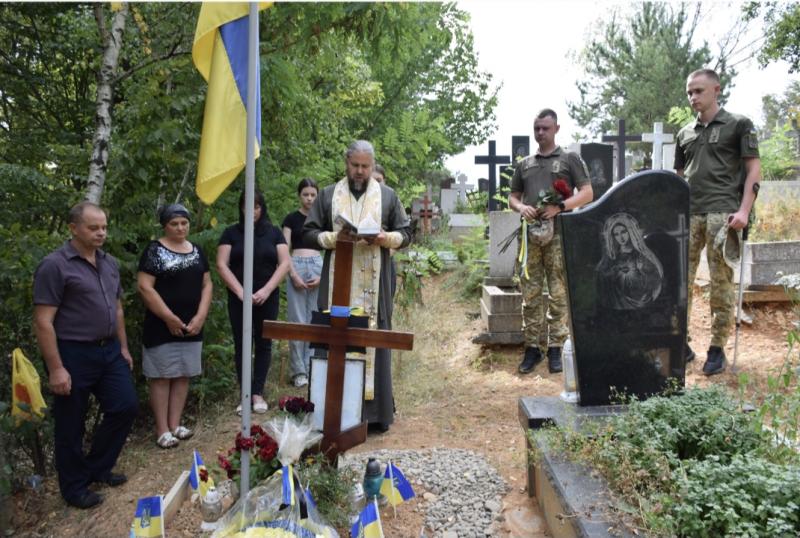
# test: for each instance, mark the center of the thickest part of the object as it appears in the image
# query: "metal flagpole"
(249, 201)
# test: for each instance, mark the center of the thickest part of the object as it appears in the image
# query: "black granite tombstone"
(483, 185)
(446, 183)
(599, 158)
(626, 265)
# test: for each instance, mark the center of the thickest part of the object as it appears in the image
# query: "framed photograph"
(353, 393)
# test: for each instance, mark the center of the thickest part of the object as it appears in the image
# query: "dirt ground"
(449, 393)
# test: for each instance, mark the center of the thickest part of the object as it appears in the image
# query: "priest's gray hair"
(360, 146)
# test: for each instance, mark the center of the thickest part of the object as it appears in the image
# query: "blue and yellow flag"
(220, 54)
(199, 485)
(147, 522)
(368, 524)
(287, 485)
(395, 486)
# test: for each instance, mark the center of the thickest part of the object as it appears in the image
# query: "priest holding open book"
(369, 213)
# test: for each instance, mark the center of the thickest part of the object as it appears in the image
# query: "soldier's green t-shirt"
(712, 158)
(537, 172)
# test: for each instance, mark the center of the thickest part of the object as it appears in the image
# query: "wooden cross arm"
(350, 336)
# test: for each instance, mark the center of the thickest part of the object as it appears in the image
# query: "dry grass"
(777, 220)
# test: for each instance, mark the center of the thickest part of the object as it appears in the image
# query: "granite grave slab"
(626, 259)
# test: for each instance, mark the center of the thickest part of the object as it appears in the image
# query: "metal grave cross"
(619, 141)
(658, 138)
(492, 159)
(338, 336)
(462, 188)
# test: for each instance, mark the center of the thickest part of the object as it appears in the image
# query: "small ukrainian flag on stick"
(196, 475)
(395, 486)
(369, 523)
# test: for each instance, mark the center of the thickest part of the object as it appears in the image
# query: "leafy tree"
(782, 31)
(781, 109)
(403, 75)
(635, 67)
(779, 155)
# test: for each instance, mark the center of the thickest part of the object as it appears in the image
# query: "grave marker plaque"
(626, 266)
(599, 159)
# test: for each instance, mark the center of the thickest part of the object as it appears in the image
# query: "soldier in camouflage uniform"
(533, 174)
(714, 152)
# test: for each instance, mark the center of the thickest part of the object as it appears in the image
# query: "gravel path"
(461, 493)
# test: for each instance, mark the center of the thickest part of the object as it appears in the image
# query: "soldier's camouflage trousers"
(703, 229)
(538, 318)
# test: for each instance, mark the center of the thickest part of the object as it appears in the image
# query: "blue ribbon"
(340, 311)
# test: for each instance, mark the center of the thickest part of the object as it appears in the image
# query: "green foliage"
(779, 157)
(697, 465)
(331, 489)
(472, 251)
(402, 75)
(781, 109)
(635, 67)
(781, 29)
(680, 115)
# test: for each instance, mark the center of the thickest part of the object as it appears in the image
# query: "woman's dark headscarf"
(263, 221)
(169, 212)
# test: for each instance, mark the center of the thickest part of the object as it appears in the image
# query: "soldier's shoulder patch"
(752, 139)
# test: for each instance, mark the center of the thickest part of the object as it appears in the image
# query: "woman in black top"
(175, 285)
(270, 265)
(304, 276)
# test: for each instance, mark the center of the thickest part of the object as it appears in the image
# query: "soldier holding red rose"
(549, 169)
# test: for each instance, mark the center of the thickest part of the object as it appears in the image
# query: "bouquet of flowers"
(263, 455)
(556, 194)
(263, 447)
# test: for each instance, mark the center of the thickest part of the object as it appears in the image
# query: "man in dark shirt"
(80, 328)
(714, 152)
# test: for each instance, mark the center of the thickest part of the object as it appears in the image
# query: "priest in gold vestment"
(363, 200)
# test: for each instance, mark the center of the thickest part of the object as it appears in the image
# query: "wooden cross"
(426, 213)
(657, 137)
(338, 336)
(619, 140)
(492, 159)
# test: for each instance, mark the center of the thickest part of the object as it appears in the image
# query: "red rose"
(244, 443)
(204, 475)
(255, 429)
(562, 188)
(282, 402)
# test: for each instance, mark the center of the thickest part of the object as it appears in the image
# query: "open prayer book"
(366, 228)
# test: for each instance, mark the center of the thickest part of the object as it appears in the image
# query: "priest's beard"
(357, 185)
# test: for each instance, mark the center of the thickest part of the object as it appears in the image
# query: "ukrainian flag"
(147, 522)
(194, 475)
(368, 524)
(395, 486)
(220, 54)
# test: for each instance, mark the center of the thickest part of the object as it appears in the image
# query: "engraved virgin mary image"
(629, 275)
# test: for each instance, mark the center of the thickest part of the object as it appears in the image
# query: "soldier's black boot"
(532, 357)
(715, 361)
(554, 359)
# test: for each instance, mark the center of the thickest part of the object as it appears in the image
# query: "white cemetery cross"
(462, 188)
(658, 138)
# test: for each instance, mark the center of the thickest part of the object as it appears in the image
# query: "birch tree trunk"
(112, 45)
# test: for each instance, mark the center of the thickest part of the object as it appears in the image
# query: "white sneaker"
(300, 380)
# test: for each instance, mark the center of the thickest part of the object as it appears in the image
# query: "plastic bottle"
(570, 393)
(357, 500)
